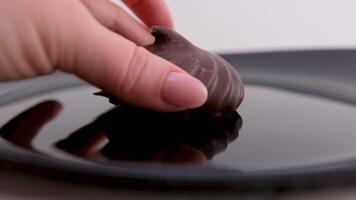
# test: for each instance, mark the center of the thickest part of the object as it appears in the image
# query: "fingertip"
(119, 21)
(147, 40)
(152, 12)
(183, 90)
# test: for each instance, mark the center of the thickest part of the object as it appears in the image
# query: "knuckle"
(136, 71)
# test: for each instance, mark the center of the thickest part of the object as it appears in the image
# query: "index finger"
(151, 12)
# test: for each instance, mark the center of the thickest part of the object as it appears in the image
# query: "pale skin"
(99, 42)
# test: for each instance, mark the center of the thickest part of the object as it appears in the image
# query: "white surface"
(250, 25)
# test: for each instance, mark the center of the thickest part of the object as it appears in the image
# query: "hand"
(100, 43)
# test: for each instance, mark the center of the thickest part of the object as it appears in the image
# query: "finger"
(23, 128)
(181, 153)
(151, 12)
(127, 71)
(83, 141)
(117, 20)
(87, 139)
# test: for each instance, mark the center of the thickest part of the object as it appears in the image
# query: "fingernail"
(149, 40)
(184, 91)
(146, 40)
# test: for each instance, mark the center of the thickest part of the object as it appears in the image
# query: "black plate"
(298, 131)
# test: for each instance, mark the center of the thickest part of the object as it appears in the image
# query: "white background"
(250, 25)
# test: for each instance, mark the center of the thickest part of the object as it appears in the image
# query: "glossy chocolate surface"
(225, 87)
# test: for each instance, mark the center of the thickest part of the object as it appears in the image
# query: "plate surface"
(295, 129)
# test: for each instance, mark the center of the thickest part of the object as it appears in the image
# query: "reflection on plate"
(298, 131)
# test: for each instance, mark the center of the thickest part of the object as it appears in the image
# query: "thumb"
(131, 73)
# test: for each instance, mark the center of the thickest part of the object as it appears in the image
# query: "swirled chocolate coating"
(225, 87)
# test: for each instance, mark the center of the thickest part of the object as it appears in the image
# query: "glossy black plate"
(295, 129)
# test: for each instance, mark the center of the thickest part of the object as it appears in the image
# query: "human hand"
(100, 43)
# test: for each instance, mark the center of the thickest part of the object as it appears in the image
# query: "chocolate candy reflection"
(138, 134)
(141, 135)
